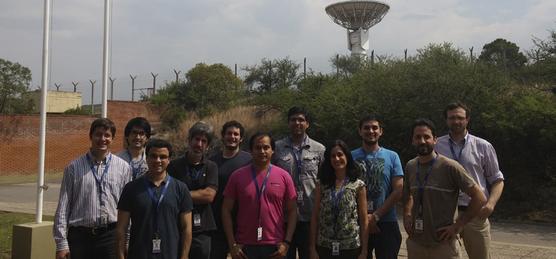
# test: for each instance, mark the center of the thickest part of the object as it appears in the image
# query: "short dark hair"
(158, 143)
(234, 124)
(326, 174)
(105, 123)
(201, 128)
(423, 122)
(456, 105)
(260, 135)
(138, 122)
(370, 117)
(299, 110)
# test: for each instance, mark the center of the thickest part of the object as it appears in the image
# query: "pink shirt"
(279, 189)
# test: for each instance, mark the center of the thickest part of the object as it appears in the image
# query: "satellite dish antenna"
(357, 17)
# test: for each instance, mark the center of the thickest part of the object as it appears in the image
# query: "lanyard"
(136, 166)
(157, 202)
(423, 184)
(260, 192)
(457, 158)
(335, 197)
(195, 174)
(298, 157)
(99, 180)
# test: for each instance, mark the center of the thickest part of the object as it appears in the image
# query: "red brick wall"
(67, 136)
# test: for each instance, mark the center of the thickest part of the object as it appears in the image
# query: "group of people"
(291, 198)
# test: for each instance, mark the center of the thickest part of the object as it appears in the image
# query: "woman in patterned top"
(339, 220)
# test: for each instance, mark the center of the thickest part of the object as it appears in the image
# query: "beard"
(424, 149)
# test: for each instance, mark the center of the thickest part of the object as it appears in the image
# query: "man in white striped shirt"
(86, 216)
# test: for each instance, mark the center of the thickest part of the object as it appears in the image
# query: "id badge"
(103, 216)
(370, 206)
(299, 196)
(156, 245)
(335, 248)
(259, 233)
(197, 220)
(419, 225)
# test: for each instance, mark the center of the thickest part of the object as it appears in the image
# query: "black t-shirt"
(226, 166)
(197, 177)
(136, 200)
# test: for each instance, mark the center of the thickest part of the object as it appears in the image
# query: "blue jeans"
(386, 244)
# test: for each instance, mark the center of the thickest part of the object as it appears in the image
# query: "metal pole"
(105, 58)
(44, 92)
(132, 87)
(92, 96)
(112, 88)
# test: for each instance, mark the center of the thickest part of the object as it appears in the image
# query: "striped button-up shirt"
(83, 201)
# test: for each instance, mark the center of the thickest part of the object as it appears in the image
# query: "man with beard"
(383, 175)
(137, 132)
(301, 156)
(478, 157)
(229, 159)
(432, 183)
(160, 208)
(201, 177)
(266, 207)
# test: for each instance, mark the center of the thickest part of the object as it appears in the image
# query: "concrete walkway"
(510, 240)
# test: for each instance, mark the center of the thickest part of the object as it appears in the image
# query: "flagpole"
(105, 57)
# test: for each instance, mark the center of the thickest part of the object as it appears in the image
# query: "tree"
(542, 70)
(272, 75)
(14, 82)
(503, 54)
(207, 88)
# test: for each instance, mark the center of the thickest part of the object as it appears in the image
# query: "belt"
(462, 208)
(94, 230)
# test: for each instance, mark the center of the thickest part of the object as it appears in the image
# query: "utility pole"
(132, 87)
(471, 54)
(154, 83)
(177, 75)
(235, 69)
(373, 57)
(304, 67)
(92, 95)
(75, 86)
(111, 87)
(405, 55)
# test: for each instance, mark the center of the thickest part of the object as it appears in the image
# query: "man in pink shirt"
(264, 194)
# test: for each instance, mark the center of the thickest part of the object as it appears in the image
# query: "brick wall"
(67, 136)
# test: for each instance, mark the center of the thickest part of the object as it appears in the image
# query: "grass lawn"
(15, 179)
(7, 220)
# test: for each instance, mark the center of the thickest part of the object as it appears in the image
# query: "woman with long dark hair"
(339, 220)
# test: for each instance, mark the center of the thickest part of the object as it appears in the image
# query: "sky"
(160, 36)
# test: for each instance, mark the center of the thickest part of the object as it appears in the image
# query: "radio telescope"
(357, 17)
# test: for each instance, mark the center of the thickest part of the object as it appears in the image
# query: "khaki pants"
(476, 238)
(445, 250)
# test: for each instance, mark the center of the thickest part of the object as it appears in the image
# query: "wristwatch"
(376, 216)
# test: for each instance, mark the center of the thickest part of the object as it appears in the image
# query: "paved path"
(510, 240)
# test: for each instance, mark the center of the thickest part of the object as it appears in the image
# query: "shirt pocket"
(275, 191)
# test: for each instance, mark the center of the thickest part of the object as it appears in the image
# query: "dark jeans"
(219, 246)
(386, 244)
(258, 252)
(86, 244)
(300, 241)
(325, 253)
(200, 246)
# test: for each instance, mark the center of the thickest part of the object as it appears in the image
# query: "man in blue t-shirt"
(382, 173)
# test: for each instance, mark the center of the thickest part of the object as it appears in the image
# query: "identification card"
(156, 245)
(259, 233)
(419, 225)
(197, 220)
(370, 206)
(335, 248)
(299, 196)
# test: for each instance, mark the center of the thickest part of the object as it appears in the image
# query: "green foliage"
(78, 111)
(503, 54)
(519, 120)
(14, 82)
(272, 75)
(207, 89)
(542, 70)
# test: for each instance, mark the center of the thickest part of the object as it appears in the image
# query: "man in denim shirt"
(301, 156)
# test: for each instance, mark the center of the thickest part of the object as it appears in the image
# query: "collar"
(104, 161)
(162, 183)
(465, 138)
(304, 143)
(201, 162)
